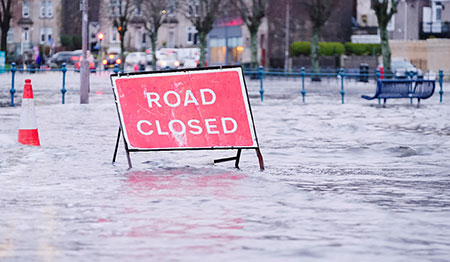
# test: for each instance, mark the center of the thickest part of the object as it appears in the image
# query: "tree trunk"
(254, 48)
(3, 40)
(385, 50)
(202, 39)
(154, 38)
(315, 49)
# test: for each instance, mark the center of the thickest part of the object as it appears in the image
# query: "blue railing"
(14, 69)
(329, 74)
(262, 74)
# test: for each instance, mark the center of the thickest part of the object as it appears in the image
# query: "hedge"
(335, 48)
(300, 48)
(362, 49)
(331, 48)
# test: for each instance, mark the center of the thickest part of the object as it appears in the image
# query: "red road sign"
(191, 109)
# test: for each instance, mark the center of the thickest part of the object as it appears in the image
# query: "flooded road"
(353, 182)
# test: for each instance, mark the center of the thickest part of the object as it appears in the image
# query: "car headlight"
(177, 63)
(163, 63)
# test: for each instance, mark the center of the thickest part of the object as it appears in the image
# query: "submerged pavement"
(342, 182)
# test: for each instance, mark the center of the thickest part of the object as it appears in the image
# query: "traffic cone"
(28, 131)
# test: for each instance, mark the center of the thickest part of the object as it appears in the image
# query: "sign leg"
(127, 152)
(117, 145)
(238, 157)
(260, 159)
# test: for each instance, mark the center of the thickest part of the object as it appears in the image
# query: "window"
(46, 36)
(193, 8)
(46, 9)
(25, 9)
(114, 35)
(115, 4)
(10, 36)
(42, 39)
(171, 7)
(438, 13)
(171, 38)
(391, 24)
(26, 35)
(138, 8)
(191, 35)
(49, 9)
(43, 9)
(50, 36)
(436, 26)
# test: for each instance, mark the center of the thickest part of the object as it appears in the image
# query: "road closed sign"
(189, 109)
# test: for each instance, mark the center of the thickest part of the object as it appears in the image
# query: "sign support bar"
(236, 158)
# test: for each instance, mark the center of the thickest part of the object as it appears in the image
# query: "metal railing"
(63, 70)
(340, 75)
(262, 74)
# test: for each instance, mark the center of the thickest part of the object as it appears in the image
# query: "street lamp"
(100, 37)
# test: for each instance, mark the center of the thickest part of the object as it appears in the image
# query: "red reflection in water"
(181, 182)
(208, 222)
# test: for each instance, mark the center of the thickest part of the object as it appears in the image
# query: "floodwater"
(352, 182)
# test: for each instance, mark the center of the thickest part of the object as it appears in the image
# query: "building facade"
(228, 42)
(415, 19)
(337, 28)
(35, 25)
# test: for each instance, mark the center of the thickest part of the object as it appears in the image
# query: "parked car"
(402, 68)
(111, 60)
(68, 57)
(191, 62)
(137, 58)
(91, 59)
(167, 58)
(92, 66)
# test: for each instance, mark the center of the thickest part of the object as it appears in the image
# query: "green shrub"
(71, 42)
(66, 41)
(339, 48)
(362, 49)
(300, 48)
(335, 48)
(331, 48)
(326, 48)
(374, 49)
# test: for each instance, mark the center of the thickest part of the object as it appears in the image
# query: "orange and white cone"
(28, 131)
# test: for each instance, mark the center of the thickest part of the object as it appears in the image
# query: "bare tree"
(252, 12)
(203, 14)
(121, 12)
(319, 12)
(154, 11)
(384, 10)
(5, 18)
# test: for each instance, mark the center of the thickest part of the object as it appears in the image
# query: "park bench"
(403, 88)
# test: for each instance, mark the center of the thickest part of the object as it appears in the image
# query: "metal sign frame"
(236, 158)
